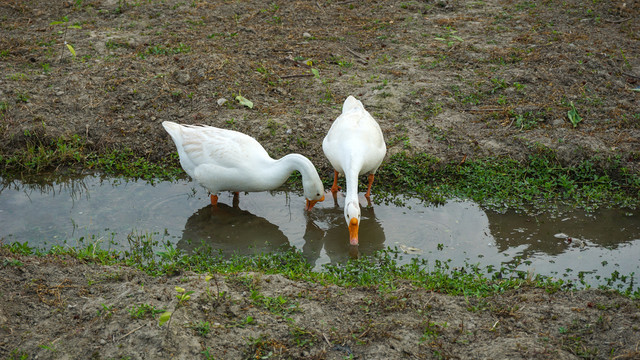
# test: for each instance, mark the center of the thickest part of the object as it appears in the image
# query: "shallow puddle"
(109, 210)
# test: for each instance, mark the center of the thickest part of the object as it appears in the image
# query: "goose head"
(352, 216)
(313, 191)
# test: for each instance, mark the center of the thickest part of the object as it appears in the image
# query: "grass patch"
(276, 305)
(142, 311)
(501, 183)
(383, 271)
(72, 154)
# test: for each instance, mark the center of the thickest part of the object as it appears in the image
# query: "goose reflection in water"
(331, 232)
(231, 230)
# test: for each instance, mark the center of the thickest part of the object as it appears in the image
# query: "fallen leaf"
(244, 101)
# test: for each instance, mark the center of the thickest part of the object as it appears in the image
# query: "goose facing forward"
(354, 146)
(227, 160)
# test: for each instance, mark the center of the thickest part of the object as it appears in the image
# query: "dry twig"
(295, 76)
(130, 332)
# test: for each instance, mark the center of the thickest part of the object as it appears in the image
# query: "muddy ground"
(454, 79)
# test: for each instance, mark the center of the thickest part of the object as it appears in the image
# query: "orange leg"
(214, 200)
(335, 187)
(368, 194)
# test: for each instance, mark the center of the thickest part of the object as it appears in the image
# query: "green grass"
(302, 337)
(18, 354)
(276, 305)
(202, 328)
(384, 271)
(72, 154)
(502, 183)
(142, 311)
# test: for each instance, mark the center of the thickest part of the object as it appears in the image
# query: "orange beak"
(353, 231)
(311, 203)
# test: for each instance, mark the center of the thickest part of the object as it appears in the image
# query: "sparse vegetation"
(374, 287)
(142, 311)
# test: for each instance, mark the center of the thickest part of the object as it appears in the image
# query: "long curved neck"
(283, 167)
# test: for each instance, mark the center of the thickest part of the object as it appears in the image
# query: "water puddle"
(562, 246)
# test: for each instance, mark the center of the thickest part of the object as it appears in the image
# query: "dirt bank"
(450, 78)
(59, 308)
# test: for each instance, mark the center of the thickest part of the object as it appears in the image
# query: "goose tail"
(350, 104)
(173, 129)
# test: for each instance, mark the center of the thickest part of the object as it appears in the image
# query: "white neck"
(282, 168)
(351, 177)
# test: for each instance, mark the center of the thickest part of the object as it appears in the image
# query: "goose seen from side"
(227, 160)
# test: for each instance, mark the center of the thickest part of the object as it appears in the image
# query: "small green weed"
(207, 354)
(64, 21)
(219, 295)
(528, 120)
(400, 139)
(113, 44)
(277, 305)
(18, 76)
(12, 262)
(21, 248)
(262, 347)
(573, 115)
(50, 347)
(249, 320)
(202, 328)
(4, 106)
(449, 36)
(340, 61)
(273, 126)
(302, 337)
(22, 97)
(17, 354)
(142, 311)
(183, 296)
(431, 331)
(107, 311)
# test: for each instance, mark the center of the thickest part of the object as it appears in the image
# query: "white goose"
(354, 146)
(226, 160)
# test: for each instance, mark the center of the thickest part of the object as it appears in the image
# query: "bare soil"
(454, 79)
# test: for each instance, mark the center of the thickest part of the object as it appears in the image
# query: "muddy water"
(108, 210)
